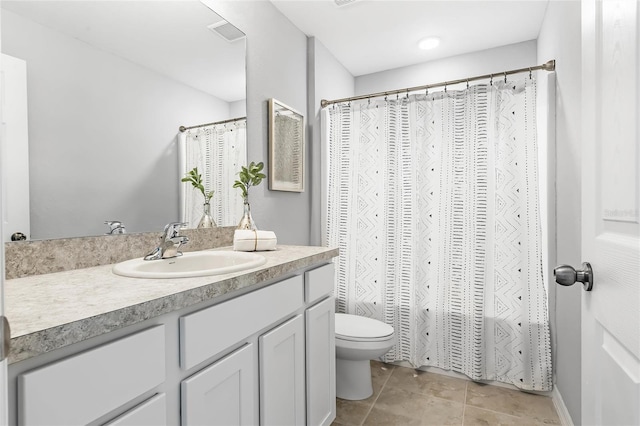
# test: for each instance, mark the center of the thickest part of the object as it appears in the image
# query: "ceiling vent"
(343, 2)
(226, 31)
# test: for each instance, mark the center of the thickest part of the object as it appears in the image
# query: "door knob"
(18, 236)
(566, 275)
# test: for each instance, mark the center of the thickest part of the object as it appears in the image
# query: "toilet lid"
(355, 327)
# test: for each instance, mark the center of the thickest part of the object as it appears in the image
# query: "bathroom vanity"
(246, 348)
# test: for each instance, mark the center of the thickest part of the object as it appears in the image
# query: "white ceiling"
(169, 37)
(368, 36)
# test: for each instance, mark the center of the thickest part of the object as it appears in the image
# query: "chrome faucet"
(115, 227)
(171, 242)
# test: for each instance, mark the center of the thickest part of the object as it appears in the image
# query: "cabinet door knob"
(566, 275)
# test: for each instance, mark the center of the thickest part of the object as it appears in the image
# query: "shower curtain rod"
(231, 120)
(548, 66)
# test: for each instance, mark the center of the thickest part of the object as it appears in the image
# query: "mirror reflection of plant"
(196, 180)
(249, 176)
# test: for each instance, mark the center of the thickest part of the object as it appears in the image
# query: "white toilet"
(358, 340)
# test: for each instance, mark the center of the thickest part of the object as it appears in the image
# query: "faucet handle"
(115, 226)
(172, 229)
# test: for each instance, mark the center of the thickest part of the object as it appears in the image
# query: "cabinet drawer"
(206, 333)
(318, 283)
(152, 412)
(87, 386)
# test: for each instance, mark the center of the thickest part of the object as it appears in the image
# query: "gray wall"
(328, 79)
(276, 68)
(455, 67)
(560, 39)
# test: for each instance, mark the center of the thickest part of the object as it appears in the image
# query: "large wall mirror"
(96, 93)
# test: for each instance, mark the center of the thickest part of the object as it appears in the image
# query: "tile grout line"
(503, 413)
(378, 396)
(464, 405)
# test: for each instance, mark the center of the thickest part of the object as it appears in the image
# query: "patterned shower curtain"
(219, 151)
(433, 202)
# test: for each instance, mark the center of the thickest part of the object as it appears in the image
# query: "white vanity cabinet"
(150, 413)
(223, 393)
(80, 389)
(320, 345)
(263, 357)
(321, 363)
(282, 374)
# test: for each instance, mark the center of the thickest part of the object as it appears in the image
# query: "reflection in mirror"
(101, 89)
(218, 151)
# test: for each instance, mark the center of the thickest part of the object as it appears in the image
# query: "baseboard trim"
(561, 409)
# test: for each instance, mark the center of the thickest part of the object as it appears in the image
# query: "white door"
(15, 140)
(610, 199)
(4, 412)
(282, 393)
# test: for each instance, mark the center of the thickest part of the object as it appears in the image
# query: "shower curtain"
(432, 200)
(218, 151)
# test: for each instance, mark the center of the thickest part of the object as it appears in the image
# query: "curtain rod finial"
(549, 65)
(182, 129)
(324, 103)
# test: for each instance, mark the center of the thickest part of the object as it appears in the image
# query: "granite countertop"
(54, 310)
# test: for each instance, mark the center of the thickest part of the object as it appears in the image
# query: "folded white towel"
(246, 240)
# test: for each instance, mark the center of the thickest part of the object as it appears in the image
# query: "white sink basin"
(193, 264)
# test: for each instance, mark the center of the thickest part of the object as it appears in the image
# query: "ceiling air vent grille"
(226, 31)
(343, 2)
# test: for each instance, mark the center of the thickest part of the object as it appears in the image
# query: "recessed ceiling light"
(429, 43)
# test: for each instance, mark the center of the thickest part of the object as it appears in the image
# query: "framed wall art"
(286, 148)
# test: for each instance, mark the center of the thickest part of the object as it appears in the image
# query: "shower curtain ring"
(491, 80)
(505, 76)
(467, 83)
(445, 86)
(529, 73)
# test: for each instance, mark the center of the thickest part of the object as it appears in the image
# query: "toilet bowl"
(359, 340)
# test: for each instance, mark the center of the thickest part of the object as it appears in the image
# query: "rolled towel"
(246, 240)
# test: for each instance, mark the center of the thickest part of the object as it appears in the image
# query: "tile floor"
(404, 396)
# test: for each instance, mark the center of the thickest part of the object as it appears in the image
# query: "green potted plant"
(248, 176)
(196, 180)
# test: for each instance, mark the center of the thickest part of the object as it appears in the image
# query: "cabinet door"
(282, 381)
(321, 363)
(223, 393)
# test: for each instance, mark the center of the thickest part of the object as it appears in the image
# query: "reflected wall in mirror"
(286, 148)
(107, 86)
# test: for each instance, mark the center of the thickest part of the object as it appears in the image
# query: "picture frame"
(286, 148)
